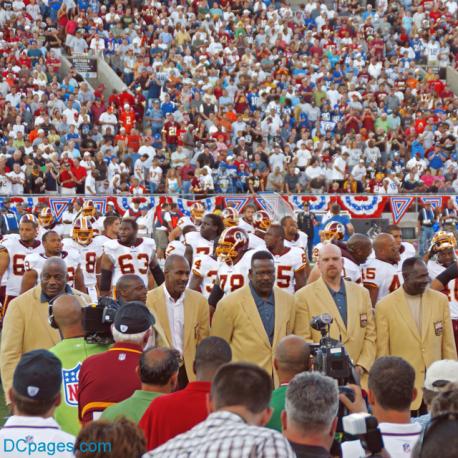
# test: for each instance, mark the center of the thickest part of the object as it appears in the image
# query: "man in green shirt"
(67, 315)
(292, 356)
(158, 372)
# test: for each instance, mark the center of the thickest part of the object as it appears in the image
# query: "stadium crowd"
(230, 96)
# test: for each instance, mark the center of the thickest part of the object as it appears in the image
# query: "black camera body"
(330, 356)
(97, 321)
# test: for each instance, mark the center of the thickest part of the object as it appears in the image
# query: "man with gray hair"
(309, 420)
(111, 377)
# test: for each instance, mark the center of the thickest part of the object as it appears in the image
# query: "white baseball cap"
(440, 373)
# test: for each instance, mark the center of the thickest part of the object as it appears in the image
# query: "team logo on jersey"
(70, 382)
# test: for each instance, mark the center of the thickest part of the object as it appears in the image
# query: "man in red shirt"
(127, 118)
(79, 173)
(111, 377)
(175, 413)
(67, 179)
(170, 132)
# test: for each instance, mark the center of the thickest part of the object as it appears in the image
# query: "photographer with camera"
(309, 420)
(391, 391)
(111, 377)
(349, 306)
(66, 314)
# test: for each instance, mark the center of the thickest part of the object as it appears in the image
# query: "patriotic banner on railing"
(58, 205)
(435, 201)
(357, 206)
(363, 206)
(399, 207)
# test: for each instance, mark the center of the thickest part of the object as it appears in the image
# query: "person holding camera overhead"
(347, 303)
(66, 314)
(26, 326)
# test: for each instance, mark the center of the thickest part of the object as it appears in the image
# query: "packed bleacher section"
(230, 96)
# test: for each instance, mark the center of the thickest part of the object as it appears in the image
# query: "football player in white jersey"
(381, 275)
(406, 249)
(234, 258)
(261, 222)
(293, 236)
(197, 213)
(290, 262)
(202, 241)
(12, 255)
(332, 231)
(354, 255)
(178, 246)
(128, 255)
(48, 223)
(203, 274)
(89, 249)
(52, 247)
(246, 221)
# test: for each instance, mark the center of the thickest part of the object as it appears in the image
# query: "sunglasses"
(434, 423)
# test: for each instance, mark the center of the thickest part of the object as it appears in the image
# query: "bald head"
(130, 287)
(330, 262)
(54, 277)
(173, 261)
(67, 311)
(360, 246)
(385, 248)
(292, 355)
(159, 365)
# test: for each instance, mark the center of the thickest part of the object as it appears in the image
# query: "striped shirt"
(225, 435)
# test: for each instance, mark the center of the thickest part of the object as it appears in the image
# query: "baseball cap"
(133, 318)
(440, 373)
(38, 375)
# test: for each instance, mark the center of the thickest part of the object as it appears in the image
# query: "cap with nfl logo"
(38, 376)
(133, 318)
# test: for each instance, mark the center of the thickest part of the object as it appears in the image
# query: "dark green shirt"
(277, 403)
(132, 408)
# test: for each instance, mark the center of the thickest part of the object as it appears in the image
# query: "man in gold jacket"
(414, 323)
(26, 326)
(183, 314)
(254, 318)
(349, 305)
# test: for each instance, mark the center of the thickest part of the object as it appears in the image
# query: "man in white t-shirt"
(339, 165)
(155, 176)
(391, 392)
(108, 120)
(17, 179)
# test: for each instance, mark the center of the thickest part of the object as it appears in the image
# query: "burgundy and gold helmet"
(230, 217)
(232, 242)
(88, 208)
(83, 232)
(45, 217)
(333, 231)
(197, 211)
(29, 218)
(443, 240)
(261, 221)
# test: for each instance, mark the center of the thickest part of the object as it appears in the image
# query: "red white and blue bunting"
(399, 207)
(357, 206)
